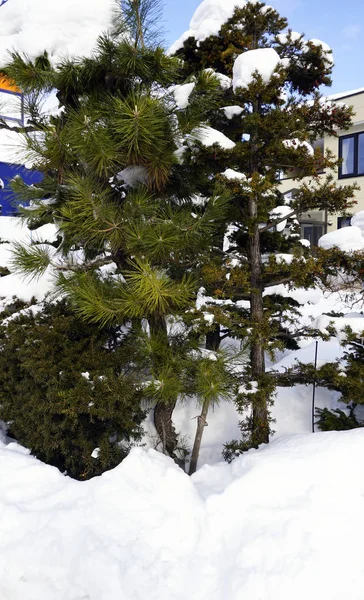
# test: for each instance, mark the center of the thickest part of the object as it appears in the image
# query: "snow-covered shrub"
(66, 391)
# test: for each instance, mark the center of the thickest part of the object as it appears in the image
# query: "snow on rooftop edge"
(345, 94)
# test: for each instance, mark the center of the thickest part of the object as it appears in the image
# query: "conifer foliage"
(67, 389)
(130, 234)
(269, 115)
(167, 201)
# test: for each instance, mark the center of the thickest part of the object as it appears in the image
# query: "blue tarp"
(8, 172)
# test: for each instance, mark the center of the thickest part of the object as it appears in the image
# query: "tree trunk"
(260, 420)
(201, 424)
(163, 411)
(164, 425)
(212, 343)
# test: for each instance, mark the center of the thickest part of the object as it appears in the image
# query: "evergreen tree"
(347, 379)
(131, 236)
(270, 113)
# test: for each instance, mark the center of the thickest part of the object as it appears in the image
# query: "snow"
(328, 351)
(232, 174)
(261, 527)
(182, 94)
(225, 81)
(209, 136)
(12, 148)
(348, 239)
(358, 221)
(271, 525)
(63, 28)
(12, 229)
(232, 111)
(293, 36)
(325, 49)
(279, 212)
(10, 106)
(133, 175)
(296, 143)
(345, 94)
(355, 322)
(264, 61)
(207, 20)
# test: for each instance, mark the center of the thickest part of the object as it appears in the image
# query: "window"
(343, 222)
(312, 232)
(351, 151)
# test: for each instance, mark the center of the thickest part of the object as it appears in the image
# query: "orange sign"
(8, 85)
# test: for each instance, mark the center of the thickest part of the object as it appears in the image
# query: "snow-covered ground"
(279, 523)
(282, 522)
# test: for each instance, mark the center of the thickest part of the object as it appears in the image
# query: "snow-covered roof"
(346, 94)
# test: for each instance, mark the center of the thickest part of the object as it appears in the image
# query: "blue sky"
(339, 24)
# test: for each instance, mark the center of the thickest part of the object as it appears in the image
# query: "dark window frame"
(341, 221)
(355, 137)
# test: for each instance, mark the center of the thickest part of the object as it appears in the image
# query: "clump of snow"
(266, 8)
(325, 49)
(347, 239)
(261, 527)
(62, 28)
(182, 94)
(263, 60)
(296, 143)
(277, 214)
(207, 20)
(232, 111)
(209, 136)
(292, 36)
(232, 174)
(358, 220)
(95, 453)
(12, 149)
(224, 80)
(355, 322)
(133, 175)
(284, 258)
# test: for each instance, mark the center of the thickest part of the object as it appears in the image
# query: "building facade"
(349, 147)
(11, 152)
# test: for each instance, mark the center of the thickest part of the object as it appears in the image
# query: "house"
(11, 152)
(349, 146)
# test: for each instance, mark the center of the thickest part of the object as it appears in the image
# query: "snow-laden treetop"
(63, 28)
(207, 20)
(211, 15)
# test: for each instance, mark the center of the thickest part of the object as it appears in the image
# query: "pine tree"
(131, 236)
(270, 113)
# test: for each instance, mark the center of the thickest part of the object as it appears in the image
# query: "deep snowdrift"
(279, 523)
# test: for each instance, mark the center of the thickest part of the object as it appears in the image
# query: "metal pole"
(314, 390)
